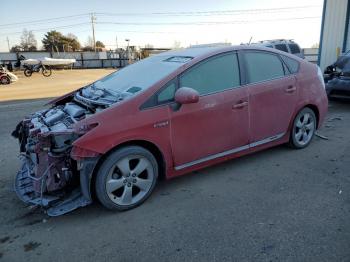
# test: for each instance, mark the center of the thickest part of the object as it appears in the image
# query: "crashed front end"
(337, 78)
(53, 174)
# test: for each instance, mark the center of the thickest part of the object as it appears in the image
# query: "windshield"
(140, 75)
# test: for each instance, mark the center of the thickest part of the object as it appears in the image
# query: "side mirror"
(186, 95)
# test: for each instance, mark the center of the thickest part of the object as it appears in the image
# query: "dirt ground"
(276, 205)
(59, 83)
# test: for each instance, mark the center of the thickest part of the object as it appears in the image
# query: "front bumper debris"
(55, 204)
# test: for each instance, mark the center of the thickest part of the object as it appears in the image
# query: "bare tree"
(177, 44)
(28, 41)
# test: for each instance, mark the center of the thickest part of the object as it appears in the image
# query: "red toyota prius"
(165, 116)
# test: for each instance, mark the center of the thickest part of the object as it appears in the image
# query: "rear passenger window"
(292, 64)
(263, 66)
(213, 75)
(294, 48)
(282, 47)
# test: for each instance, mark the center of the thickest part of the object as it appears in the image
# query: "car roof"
(197, 52)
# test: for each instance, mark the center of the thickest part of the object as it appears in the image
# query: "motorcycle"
(6, 77)
(29, 69)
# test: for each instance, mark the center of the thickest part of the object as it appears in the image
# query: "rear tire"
(303, 130)
(126, 178)
(46, 71)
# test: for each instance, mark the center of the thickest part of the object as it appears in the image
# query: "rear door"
(272, 95)
(219, 121)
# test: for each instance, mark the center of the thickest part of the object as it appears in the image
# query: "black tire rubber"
(46, 71)
(28, 72)
(5, 80)
(292, 142)
(102, 173)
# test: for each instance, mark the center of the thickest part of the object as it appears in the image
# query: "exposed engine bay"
(50, 176)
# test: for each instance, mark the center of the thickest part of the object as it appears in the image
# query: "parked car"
(288, 46)
(337, 77)
(165, 116)
(7, 78)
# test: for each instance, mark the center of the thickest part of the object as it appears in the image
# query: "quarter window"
(292, 64)
(263, 66)
(167, 94)
(213, 75)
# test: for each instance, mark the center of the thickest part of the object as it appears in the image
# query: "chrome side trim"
(266, 140)
(231, 151)
(235, 150)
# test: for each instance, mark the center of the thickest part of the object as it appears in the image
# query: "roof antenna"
(250, 40)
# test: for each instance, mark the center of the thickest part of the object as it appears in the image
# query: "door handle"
(240, 105)
(290, 89)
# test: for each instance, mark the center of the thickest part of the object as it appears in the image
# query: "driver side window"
(215, 74)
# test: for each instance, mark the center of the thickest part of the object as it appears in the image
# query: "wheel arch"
(150, 146)
(315, 109)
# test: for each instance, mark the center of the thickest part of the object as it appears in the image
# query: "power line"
(198, 23)
(44, 20)
(215, 12)
(50, 28)
(209, 22)
(185, 13)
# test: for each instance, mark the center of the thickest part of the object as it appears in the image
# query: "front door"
(219, 121)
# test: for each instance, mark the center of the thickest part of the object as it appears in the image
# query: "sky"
(165, 23)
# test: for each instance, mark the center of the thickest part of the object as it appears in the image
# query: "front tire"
(5, 80)
(28, 72)
(303, 130)
(126, 178)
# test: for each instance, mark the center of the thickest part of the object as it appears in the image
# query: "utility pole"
(8, 43)
(116, 41)
(93, 19)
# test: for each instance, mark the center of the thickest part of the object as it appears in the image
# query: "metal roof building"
(335, 35)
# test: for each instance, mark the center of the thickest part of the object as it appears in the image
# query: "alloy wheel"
(129, 180)
(304, 128)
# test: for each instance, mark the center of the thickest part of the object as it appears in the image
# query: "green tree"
(51, 41)
(72, 42)
(56, 41)
(16, 49)
(100, 44)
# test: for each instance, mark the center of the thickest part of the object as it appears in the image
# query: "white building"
(335, 35)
